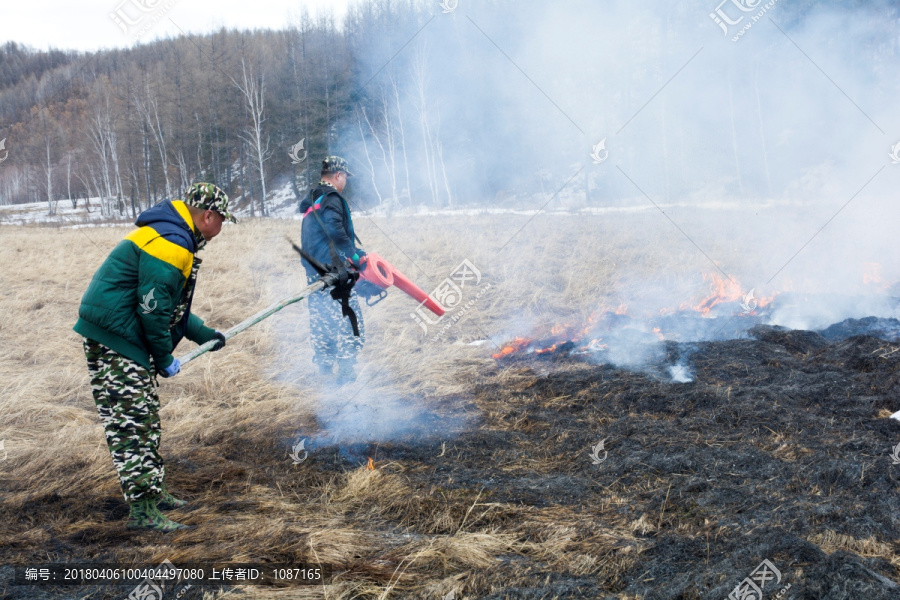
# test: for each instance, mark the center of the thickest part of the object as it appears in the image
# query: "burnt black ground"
(777, 439)
(780, 442)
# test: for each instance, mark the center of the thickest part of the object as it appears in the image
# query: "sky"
(88, 24)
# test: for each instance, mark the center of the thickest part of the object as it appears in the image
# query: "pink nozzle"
(380, 272)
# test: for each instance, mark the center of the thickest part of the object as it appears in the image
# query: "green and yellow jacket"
(139, 301)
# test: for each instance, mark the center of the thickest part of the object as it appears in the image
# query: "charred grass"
(779, 449)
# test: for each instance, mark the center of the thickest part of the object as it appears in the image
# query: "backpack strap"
(335, 257)
(342, 288)
(315, 205)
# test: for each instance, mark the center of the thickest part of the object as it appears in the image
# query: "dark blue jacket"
(334, 214)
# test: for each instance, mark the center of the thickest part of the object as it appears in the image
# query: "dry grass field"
(482, 486)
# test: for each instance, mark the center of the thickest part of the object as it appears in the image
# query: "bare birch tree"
(396, 89)
(48, 170)
(368, 156)
(254, 91)
(99, 136)
(148, 106)
(419, 70)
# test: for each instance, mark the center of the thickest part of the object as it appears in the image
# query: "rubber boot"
(169, 502)
(345, 373)
(325, 370)
(145, 515)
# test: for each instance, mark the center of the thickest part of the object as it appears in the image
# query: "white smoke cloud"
(769, 156)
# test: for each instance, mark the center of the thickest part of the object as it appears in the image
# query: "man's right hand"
(172, 369)
(220, 341)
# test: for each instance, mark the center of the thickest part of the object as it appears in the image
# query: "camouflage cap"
(333, 164)
(208, 197)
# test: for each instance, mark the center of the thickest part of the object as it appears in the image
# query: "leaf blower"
(376, 275)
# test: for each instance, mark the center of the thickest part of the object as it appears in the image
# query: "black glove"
(220, 341)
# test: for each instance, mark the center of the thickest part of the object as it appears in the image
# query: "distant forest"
(135, 126)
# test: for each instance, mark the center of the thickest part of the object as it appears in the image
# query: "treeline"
(135, 126)
(439, 108)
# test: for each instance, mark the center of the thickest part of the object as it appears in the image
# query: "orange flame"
(583, 339)
(513, 346)
(763, 302)
(872, 275)
(371, 465)
(720, 290)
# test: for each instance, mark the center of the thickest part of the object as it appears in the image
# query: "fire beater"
(372, 279)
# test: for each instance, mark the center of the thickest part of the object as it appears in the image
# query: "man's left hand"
(356, 259)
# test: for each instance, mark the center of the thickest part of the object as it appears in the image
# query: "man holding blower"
(327, 235)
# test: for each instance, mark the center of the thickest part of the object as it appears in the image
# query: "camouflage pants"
(128, 405)
(330, 332)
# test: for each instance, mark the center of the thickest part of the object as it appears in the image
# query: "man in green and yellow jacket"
(132, 316)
